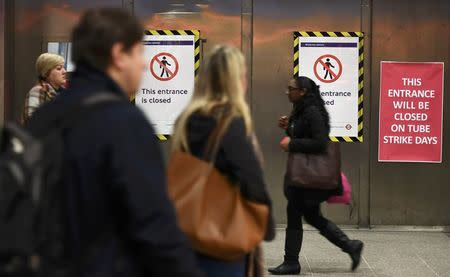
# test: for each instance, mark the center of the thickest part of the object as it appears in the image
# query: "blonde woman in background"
(51, 79)
(220, 96)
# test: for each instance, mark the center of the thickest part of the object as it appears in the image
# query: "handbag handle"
(212, 147)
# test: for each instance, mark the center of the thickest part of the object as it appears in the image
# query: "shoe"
(352, 247)
(292, 246)
(286, 268)
(356, 247)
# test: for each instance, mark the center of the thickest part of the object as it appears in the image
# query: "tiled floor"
(386, 254)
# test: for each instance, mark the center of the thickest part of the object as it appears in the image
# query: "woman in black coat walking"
(308, 129)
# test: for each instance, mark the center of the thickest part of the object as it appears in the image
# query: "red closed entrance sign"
(411, 108)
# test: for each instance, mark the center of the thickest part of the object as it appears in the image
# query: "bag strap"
(77, 114)
(83, 109)
(215, 139)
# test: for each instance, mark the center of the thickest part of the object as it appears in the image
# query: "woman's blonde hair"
(219, 84)
(46, 62)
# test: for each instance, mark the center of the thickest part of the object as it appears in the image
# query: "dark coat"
(114, 178)
(309, 130)
(236, 159)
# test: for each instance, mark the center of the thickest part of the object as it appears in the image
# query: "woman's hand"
(283, 122)
(284, 143)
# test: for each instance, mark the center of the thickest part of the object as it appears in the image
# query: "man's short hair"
(98, 30)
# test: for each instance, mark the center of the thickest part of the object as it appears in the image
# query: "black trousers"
(306, 204)
(308, 209)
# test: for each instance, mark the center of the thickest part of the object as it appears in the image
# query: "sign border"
(197, 55)
(442, 115)
(299, 34)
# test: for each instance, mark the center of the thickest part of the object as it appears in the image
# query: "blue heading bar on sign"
(330, 44)
(176, 42)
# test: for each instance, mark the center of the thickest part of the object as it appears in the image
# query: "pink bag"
(346, 196)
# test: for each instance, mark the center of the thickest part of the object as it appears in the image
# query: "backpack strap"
(84, 109)
(75, 115)
(78, 114)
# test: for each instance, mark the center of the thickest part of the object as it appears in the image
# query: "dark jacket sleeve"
(151, 227)
(245, 166)
(317, 142)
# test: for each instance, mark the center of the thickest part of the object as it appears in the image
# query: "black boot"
(355, 248)
(292, 246)
(337, 237)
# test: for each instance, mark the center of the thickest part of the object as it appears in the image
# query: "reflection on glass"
(63, 49)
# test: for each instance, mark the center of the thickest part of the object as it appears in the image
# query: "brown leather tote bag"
(315, 171)
(219, 222)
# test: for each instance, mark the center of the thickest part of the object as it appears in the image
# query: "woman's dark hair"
(98, 30)
(312, 96)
